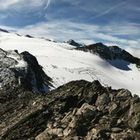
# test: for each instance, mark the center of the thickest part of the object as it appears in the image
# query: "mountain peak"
(22, 70)
(98, 44)
(74, 43)
(3, 30)
(110, 52)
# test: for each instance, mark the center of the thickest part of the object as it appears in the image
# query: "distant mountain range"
(68, 61)
(67, 91)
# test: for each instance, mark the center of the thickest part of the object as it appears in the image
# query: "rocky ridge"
(74, 43)
(22, 69)
(79, 110)
(110, 53)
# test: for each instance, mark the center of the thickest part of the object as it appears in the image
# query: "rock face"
(29, 36)
(3, 30)
(73, 43)
(79, 110)
(22, 70)
(111, 53)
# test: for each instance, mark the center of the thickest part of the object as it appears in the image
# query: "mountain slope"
(111, 53)
(22, 70)
(134, 51)
(78, 110)
(63, 63)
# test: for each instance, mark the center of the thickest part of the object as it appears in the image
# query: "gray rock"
(111, 53)
(66, 114)
(22, 70)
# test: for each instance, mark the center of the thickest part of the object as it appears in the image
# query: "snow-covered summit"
(63, 63)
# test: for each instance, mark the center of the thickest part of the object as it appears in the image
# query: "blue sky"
(88, 21)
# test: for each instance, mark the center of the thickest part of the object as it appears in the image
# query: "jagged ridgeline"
(110, 53)
(79, 110)
(21, 70)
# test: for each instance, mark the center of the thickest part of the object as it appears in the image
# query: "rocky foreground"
(79, 110)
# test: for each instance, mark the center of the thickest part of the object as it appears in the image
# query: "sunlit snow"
(63, 64)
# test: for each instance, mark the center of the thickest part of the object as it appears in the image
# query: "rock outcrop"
(3, 30)
(22, 70)
(79, 110)
(74, 43)
(111, 53)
